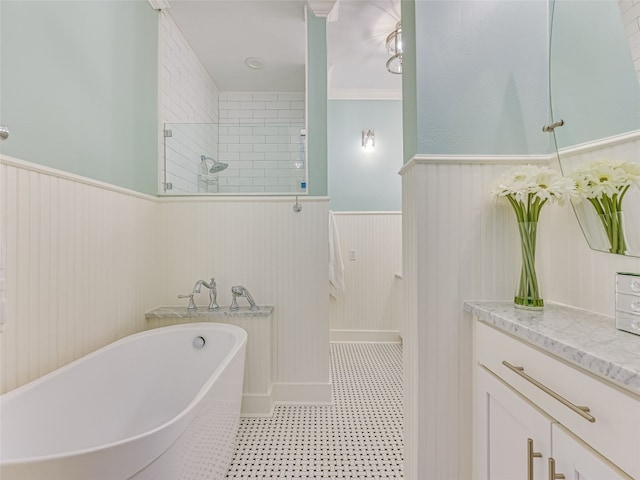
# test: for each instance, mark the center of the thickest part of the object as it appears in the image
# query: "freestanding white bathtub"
(155, 405)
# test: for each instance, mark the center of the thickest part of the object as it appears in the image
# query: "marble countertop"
(586, 339)
(204, 314)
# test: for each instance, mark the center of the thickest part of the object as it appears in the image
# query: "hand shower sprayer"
(240, 291)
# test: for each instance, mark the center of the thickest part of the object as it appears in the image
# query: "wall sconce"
(368, 140)
(394, 49)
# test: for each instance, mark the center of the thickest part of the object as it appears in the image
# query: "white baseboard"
(256, 405)
(296, 393)
(286, 393)
(365, 336)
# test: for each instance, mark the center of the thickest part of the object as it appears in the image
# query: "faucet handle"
(192, 306)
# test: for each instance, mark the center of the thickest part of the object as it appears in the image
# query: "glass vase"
(528, 294)
(613, 224)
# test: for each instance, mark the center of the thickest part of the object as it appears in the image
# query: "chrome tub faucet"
(192, 306)
(213, 293)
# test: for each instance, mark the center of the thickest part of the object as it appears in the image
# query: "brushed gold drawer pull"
(580, 410)
(552, 471)
(530, 456)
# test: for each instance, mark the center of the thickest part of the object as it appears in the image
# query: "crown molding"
(321, 8)
(159, 4)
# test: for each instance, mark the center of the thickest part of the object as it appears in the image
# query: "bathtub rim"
(240, 337)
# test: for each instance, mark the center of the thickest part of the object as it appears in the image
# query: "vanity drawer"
(628, 322)
(628, 283)
(538, 376)
(628, 303)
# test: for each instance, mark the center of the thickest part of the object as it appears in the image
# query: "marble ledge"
(204, 314)
(586, 339)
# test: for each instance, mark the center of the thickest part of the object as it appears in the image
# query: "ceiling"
(223, 33)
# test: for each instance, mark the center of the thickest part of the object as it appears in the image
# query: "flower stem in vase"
(610, 214)
(616, 233)
(527, 189)
(528, 292)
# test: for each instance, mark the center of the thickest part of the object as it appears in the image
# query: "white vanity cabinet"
(514, 438)
(538, 415)
(575, 460)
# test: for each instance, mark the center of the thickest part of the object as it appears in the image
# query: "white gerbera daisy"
(604, 184)
(606, 178)
(529, 187)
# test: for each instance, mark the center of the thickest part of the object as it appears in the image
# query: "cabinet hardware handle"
(530, 456)
(580, 410)
(552, 471)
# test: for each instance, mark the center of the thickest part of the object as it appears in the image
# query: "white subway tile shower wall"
(260, 138)
(189, 96)
(630, 10)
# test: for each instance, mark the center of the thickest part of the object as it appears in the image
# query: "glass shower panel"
(202, 159)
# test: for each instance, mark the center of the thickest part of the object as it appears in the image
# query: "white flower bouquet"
(527, 189)
(604, 183)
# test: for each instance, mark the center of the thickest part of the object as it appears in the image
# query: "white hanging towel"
(336, 265)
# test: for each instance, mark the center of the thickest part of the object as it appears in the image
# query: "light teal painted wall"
(594, 87)
(317, 104)
(409, 85)
(78, 88)
(482, 77)
(359, 180)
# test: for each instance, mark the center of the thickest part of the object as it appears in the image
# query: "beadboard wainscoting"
(576, 275)
(279, 255)
(459, 244)
(81, 267)
(85, 261)
(367, 310)
(580, 276)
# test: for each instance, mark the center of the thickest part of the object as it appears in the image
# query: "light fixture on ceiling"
(254, 62)
(368, 140)
(394, 49)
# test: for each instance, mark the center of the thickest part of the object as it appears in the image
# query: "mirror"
(232, 97)
(595, 91)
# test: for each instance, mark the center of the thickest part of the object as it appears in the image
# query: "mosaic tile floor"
(359, 436)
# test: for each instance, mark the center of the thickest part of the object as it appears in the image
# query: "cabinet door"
(577, 461)
(513, 437)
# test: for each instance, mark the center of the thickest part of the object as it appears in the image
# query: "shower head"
(216, 165)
